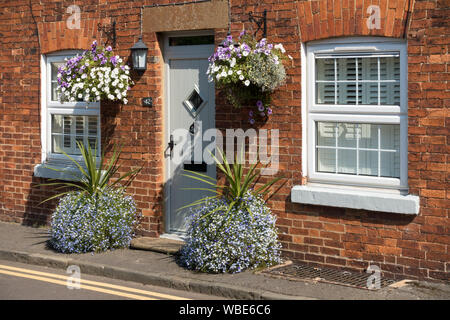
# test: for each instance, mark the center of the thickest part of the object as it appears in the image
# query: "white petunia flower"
(233, 62)
(280, 47)
(247, 82)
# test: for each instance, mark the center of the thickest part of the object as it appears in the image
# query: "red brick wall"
(402, 246)
(29, 30)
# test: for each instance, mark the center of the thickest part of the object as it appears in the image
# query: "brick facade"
(402, 246)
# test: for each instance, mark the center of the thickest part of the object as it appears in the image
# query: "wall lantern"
(139, 55)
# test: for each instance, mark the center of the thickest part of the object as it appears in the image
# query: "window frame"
(375, 114)
(50, 107)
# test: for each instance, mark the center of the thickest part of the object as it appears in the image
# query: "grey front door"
(190, 112)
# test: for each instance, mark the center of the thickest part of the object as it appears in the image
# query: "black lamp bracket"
(261, 22)
(110, 33)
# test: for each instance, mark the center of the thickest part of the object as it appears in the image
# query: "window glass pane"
(390, 164)
(57, 144)
(79, 126)
(390, 136)
(57, 123)
(368, 163)
(369, 93)
(326, 160)
(347, 135)
(325, 93)
(347, 69)
(326, 135)
(369, 68)
(347, 161)
(389, 68)
(348, 93)
(53, 80)
(325, 69)
(368, 136)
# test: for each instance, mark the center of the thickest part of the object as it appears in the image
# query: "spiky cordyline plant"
(237, 185)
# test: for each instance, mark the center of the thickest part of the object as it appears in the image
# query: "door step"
(161, 245)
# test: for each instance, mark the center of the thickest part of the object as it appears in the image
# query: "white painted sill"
(356, 199)
(42, 170)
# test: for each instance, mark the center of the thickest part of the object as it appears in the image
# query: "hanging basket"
(248, 71)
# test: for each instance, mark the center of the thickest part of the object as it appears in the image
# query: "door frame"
(175, 52)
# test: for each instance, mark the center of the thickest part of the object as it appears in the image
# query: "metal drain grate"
(304, 272)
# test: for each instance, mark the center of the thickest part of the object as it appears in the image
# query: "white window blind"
(67, 130)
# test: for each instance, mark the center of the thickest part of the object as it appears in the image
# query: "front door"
(190, 111)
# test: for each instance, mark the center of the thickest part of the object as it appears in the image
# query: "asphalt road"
(28, 282)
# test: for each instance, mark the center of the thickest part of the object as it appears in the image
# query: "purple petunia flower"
(260, 106)
(269, 111)
(252, 121)
(109, 49)
(113, 60)
(250, 114)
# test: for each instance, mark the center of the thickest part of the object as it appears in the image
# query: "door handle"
(171, 144)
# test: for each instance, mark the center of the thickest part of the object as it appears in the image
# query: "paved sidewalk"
(26, 244)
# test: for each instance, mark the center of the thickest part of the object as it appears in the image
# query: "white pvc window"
(356, 110)
(66, 123)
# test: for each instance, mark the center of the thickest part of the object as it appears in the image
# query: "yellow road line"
(82, 286)
(102, 284)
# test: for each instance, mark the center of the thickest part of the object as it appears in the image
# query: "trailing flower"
(97, 215)
(231, 241)
(248, 70)
(83, 224)
(95, 75)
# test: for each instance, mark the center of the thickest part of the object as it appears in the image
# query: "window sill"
(356, 199)
(42, 170)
